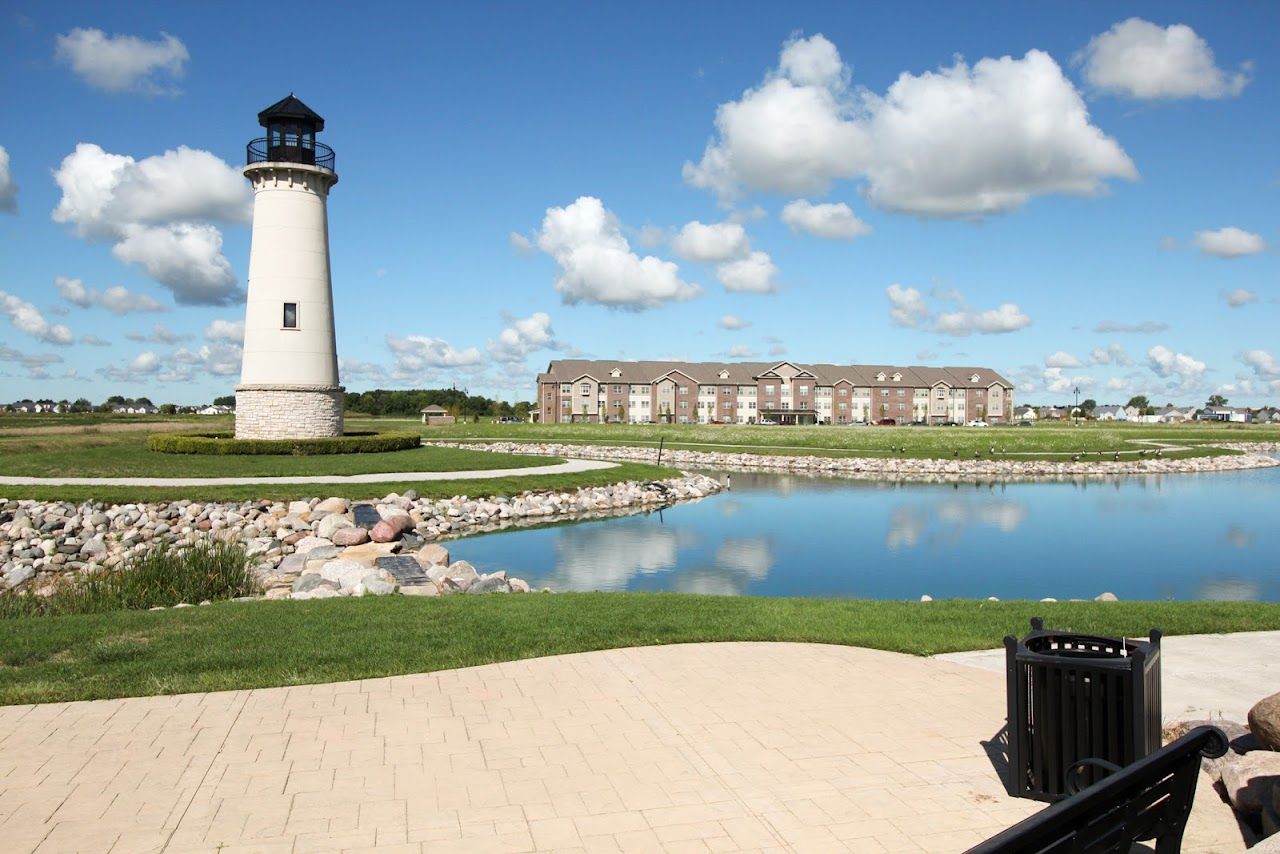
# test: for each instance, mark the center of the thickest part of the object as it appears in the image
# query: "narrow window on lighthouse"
(291, 315)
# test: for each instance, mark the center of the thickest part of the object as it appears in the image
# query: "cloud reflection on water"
(952, 519)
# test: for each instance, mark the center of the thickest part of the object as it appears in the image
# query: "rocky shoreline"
(876, 468)
(350, 548)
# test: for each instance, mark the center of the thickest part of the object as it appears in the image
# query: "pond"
(1189, 536)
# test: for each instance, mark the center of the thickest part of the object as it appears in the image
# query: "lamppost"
(1075, 413)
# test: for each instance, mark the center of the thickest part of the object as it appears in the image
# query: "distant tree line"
(409, 403)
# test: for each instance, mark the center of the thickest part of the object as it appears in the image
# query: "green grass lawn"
(357, 491)
(1042, 441)
(260, 644)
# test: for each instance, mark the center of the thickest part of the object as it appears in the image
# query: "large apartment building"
(781, 392)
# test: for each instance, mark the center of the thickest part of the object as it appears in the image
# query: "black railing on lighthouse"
(303, 151)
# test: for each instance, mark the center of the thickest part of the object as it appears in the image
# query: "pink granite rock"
(350, 536)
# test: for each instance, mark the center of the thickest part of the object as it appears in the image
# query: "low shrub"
(226, 444)
(208, 569)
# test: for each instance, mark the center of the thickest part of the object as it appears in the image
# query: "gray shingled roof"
(744, 373)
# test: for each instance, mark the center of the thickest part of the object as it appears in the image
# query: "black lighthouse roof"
(290, 108)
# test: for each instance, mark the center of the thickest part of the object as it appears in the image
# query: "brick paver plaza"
(706, 747)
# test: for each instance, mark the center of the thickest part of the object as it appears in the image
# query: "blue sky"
(1073, 194)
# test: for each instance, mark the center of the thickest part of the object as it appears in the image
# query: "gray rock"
(307, 583)
(461, 572)
(19, 575)
(333, 505)
(350, 536)
(375, 585)
(330, 524)
(306, 544)
(489, 584)
(432, 553)
(429, 590)
(346, 573)
(292, 564)
(318, 593)
(325, 552)
(1264, 721)
(1250, 780)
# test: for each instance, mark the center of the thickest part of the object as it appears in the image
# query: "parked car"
(887, 422)
(767, 422)
(1026, 423)
(977, 422)
(510, 419)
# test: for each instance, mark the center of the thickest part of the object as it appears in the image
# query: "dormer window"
(724, 375)
(615, 373)
(897, 378)
(974, 378)
(880, 377)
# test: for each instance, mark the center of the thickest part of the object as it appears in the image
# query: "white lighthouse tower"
(289, 379)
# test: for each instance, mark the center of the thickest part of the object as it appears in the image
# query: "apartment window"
(884, 392)
(290, 315)
(684, 389)
(980, 394)
(844, 392)
(566, 388)
(902, 407)
(549, 396)
(644, 404)
(940, 393)
(617, 389)
(728, 389)
(566, 405)
(804, 390)
(684, 404)
(768, 391)
(902, 392)
(585, 388)
(786, 405)
(844, 407)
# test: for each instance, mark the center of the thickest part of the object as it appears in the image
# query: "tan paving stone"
(715, 747)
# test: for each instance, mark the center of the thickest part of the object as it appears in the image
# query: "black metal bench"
(1150, 799)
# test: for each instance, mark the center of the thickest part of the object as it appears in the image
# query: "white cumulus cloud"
(523, 336)
(1262, 363)
(1142, 327)
(8, 188)
(1167, 364)
(1139, 59)
(1062, 359)
(711, 243)
(1229, 242)
(832, 221)
(418, 353)
(740, 351)
(145, 362)
(231, 331)
(1112, 354)
(1007, 317)
(124, 63)
(158, 213)
(116, 299)
(961, 141)
(597, 264)
(753, 274)
(906, 306)
(1239, 297)
(26, 318)
(732, 322)
(159, 334)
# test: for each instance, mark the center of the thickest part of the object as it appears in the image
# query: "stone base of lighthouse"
(288, 411)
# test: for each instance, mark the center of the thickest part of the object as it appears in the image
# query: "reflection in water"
(1231, 589)
(909, 523)
(1184, 537)
(1238, 537)
(605, 556)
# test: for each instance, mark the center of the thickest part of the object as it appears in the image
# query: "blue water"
(1210, 536)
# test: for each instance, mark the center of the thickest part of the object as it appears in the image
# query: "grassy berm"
(232, 645)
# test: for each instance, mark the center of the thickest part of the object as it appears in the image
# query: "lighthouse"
(289, 378)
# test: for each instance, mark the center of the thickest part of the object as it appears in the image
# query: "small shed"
(434, 415)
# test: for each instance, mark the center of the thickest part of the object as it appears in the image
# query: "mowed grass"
(266, 490)
(127, 455)
(1043, 441)
(262, 644)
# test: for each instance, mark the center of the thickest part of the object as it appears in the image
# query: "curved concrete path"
(696, 747)
(567, 467)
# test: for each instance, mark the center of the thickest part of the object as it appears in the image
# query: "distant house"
(47, 406)
(133, 409)
(22, 406)
(1051, 413)
(1025, 413)
(1111, 413)
(216, 409)
(435, 416)
(1267, 415)
(1234, 414)
(1174, 415)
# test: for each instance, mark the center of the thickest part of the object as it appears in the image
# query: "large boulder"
(376, 584)
(306, 544)
(347, 573)
(432, 554)
(307, 583)
(350, 536)
(333, 505)
(1264, 722)
(1251, 780)
(496, 583)
(331, 524)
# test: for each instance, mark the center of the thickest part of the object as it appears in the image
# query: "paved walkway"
(697, 747)
(567, 467)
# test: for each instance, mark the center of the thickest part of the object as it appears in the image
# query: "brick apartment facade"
(785, 392)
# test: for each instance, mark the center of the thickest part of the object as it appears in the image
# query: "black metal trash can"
(1074, 697)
